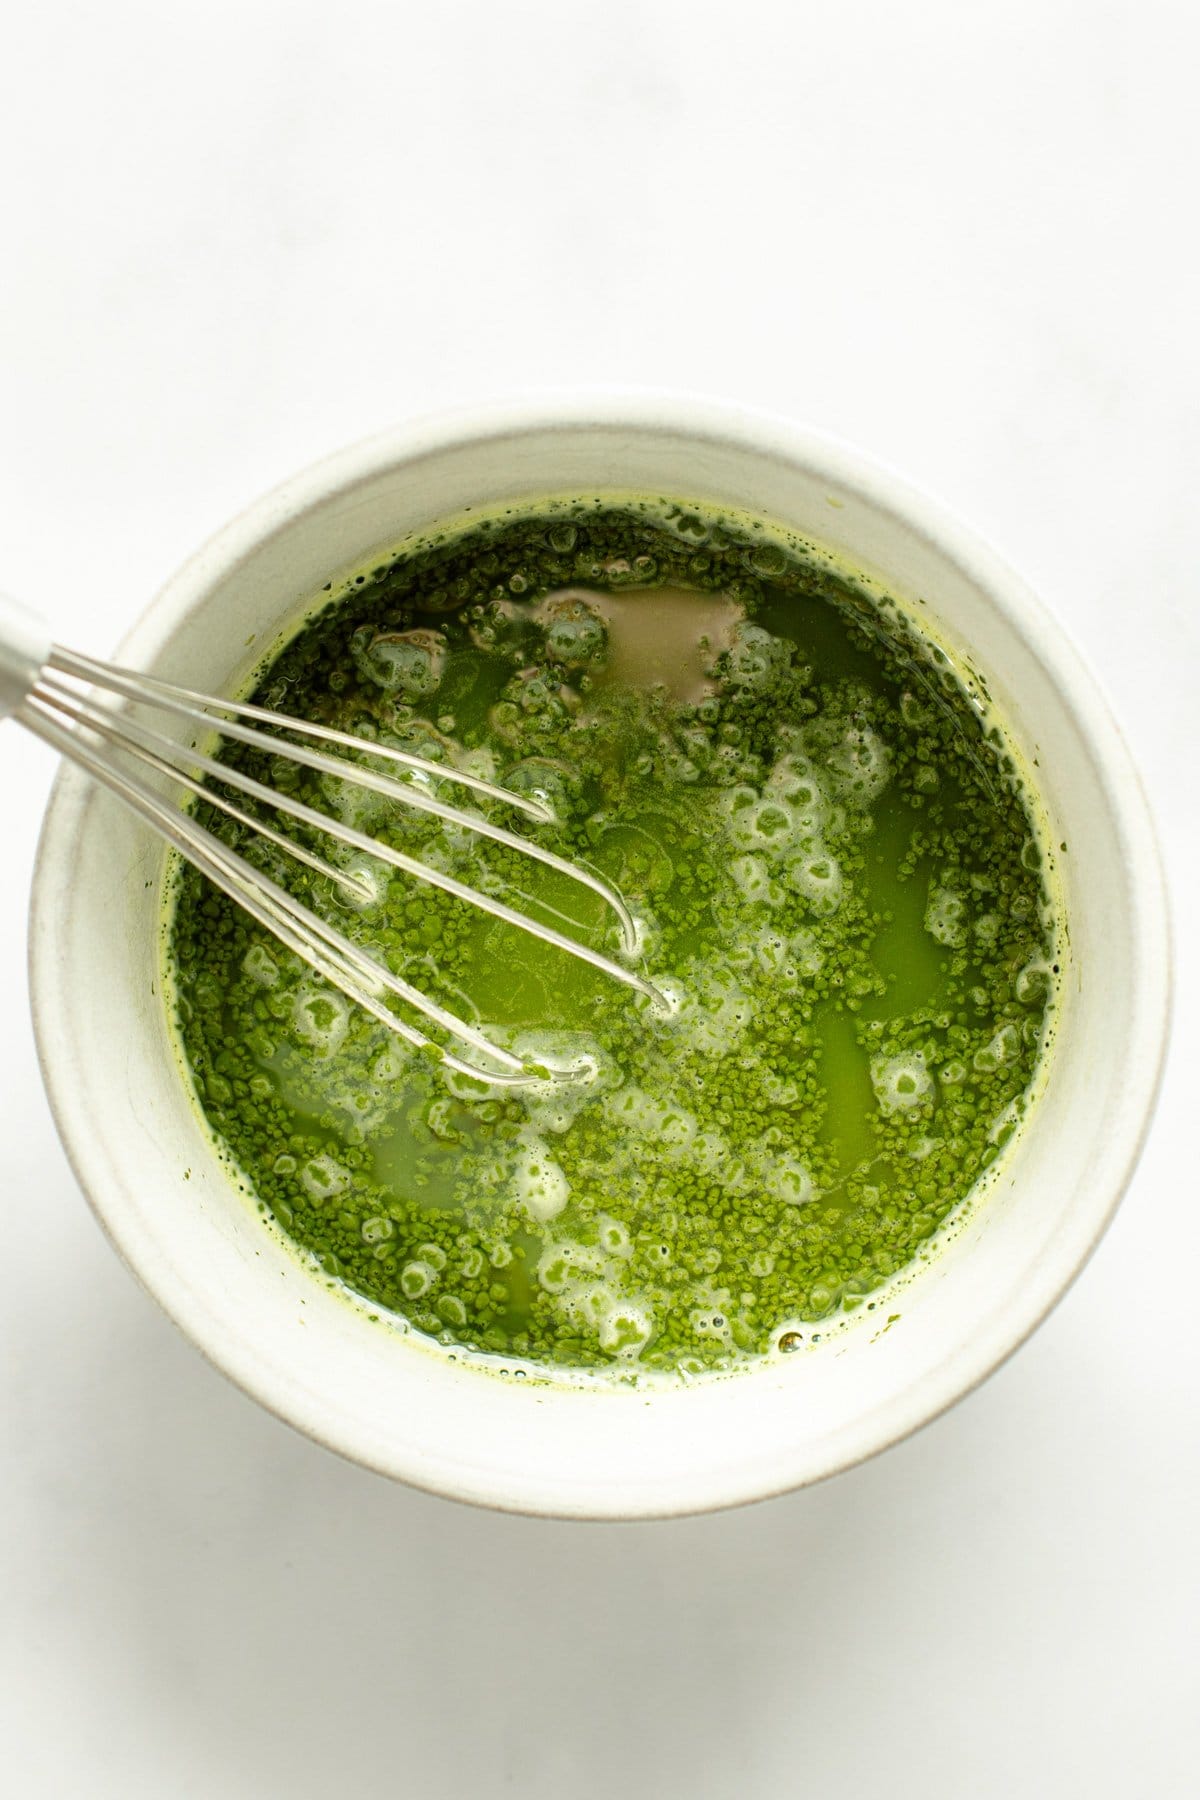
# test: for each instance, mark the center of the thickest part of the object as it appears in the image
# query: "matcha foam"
(831, 857)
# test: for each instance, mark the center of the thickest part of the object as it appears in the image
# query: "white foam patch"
(987, 929)
(786, 957)
(625, 1330)
(816, 874)
(714, 1012)
(767, 826)
(677, 766)
(587, 1285)
(1003, 1048)
(406, 662)
(787, 1178)
(733, 803)
(555, 1106)
(778, 1090)
(555, 1113)
(710, 1151)
(321, 1178)
(587, 1305)
(1033, 981)
(260, 966)
(416, 1278)
(539, 1184)
(391, 1062)
(808, 955)
(753, 878)
(668, 1127)
(859, 765)
(794, 778)
(614, 1236)
(945, 917)
(901, 1082)
(771, 950)
(755, 657)
(564, 1266)
(321, 1018)
(479, 762)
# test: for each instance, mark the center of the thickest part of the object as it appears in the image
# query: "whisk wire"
(409, 794)
(151, 687)
(138, 739)
(59, 707)
(332, 956)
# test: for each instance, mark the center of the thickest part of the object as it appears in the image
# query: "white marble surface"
(238, 235)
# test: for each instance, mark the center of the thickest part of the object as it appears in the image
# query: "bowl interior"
(142, 1152)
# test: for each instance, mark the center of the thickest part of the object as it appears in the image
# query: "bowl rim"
(881, 488)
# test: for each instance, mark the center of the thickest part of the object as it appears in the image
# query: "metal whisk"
(47, 689)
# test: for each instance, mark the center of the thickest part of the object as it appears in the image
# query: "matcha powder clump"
(827, 847)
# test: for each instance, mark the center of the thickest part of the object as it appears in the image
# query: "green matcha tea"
(831, 855)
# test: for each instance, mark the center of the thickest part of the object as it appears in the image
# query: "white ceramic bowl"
(141, 1152)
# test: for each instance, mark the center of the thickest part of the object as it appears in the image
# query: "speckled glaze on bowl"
(141, 1151)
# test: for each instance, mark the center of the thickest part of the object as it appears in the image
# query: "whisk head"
(120, 750)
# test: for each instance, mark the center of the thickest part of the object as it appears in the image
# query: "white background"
(235, 237)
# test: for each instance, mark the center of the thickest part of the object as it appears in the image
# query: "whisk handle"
(25, 645)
